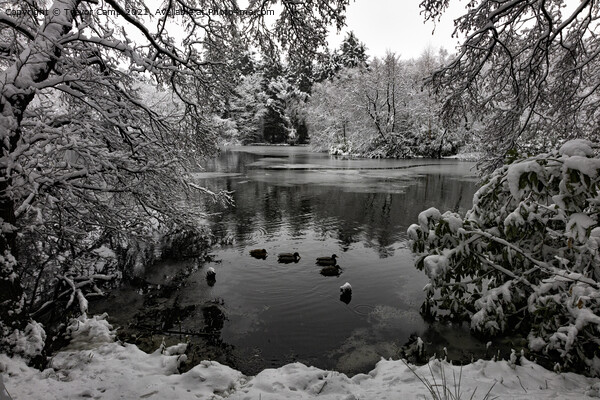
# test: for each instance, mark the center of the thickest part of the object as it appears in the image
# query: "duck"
(331, 270)
(327, 260)
(346, 288)
(259, 253)
(211, 275)
(346, 293)
(287, 258)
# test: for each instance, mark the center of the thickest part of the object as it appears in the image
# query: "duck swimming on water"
(259, 253)
(327, 260)
(331, 270)
(287, 258)
(211, 275)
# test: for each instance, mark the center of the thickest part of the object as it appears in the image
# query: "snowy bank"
(468, 156)
(105, 369)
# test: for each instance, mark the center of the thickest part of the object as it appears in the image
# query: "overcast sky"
(396, 25)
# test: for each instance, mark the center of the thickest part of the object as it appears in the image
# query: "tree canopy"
(530, 69)
(104, 109)
(381, 110)
(524, 259)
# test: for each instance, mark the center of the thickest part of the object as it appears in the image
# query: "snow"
(536, 343)
(104, 252)
(29, 343)
(210, 272)
(413, 232)
(577, 147)
(594, 239)
(587, 166)
(420, 345)
(578, 225)
(87, 333)
(346, 287)
(424, 217)
(514, 219)
(435, 265)
(513, 175)
(467, 156)
(109, 370)
(454, 221)
(176, 349)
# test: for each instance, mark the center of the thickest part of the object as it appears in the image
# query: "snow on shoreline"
(105, 369)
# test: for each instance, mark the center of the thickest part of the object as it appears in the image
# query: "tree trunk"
(32, 66)
(440, 148)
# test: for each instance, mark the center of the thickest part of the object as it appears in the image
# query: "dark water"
(291, 200)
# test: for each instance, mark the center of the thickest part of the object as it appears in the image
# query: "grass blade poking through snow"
(442, 390)
(4, 395)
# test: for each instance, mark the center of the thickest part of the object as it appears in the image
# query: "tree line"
(342, 102)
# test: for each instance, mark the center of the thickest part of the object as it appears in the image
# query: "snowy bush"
(86, 333)
(28, 343)
(525, 257)
(340, 150)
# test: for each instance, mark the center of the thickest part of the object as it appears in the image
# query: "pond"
(262, 313)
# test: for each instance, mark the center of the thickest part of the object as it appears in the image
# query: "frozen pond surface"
(291, 200)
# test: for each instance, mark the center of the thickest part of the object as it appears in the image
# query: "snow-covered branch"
(529, 248)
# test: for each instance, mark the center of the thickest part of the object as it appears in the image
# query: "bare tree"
(336, 113)
(85, 153)
(530, 68)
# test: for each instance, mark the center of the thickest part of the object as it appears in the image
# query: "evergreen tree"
(352, 52)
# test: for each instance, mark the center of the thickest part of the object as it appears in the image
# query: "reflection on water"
(287, 200)
(307, 195)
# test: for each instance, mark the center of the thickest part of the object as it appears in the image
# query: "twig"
(521, 384)
(322, 387)
(4, 390)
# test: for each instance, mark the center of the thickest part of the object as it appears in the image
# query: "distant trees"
(531, 68)
(244, 117)
(264, 106)
(280, 88)
(352, 53)
(335, 114)
(380, 109)
(91, 157)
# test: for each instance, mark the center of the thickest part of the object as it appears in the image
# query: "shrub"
(525, 258)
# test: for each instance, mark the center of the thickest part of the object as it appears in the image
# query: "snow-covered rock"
(210, 273)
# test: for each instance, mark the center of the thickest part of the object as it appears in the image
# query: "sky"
(396, 25)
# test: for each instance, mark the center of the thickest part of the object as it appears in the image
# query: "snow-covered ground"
(95, 366)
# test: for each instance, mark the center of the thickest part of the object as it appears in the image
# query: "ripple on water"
(319, 205)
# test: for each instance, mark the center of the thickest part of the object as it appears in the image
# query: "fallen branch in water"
(76, 291)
